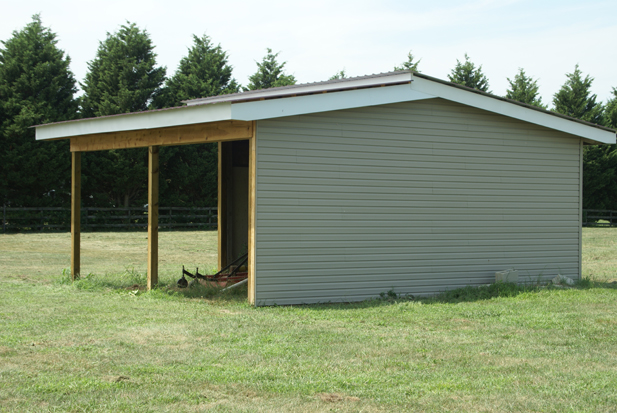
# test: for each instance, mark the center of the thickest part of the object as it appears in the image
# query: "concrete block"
(507, 276)
(562, 279)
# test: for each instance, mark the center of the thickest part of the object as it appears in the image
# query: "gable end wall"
(417, 197)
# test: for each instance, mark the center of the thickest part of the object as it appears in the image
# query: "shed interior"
(236, 186)
(233, 200)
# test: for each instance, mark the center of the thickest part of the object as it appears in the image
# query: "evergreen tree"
(122, 78)
(600, 177)
(411, 64)
(524, 89)
(189, 172)
(467, 74)
(339, 75)
(189, 175)
(115, 178)
(36, 86)
(600, 167)
(270, 74)
(611, 111)
(204, 72)
(575, 99)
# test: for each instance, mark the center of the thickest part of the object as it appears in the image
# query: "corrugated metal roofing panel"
(336, 85)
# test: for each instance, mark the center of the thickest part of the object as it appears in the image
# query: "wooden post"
(251, 243)
(153, 216)
(221, 211)
(76, 216)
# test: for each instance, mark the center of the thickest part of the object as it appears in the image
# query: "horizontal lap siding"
(417, 197)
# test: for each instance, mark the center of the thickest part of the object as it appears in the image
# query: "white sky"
(319, 38)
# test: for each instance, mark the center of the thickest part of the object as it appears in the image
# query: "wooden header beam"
(229, 130)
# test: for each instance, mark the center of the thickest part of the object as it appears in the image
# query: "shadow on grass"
(467, 294)
(135, 283)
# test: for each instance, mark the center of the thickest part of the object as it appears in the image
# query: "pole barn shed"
(349, 188)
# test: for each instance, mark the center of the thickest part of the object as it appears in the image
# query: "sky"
(319, 38)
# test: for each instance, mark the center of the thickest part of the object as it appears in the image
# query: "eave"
(342, 94)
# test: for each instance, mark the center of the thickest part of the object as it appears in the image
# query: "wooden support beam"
(251, 243)
(153, 216)
(229, 130)
(222, 209)
(75, 215)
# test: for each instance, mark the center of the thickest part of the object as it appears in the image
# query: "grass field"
(101, 344)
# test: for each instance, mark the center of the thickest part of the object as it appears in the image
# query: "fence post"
(4, 218)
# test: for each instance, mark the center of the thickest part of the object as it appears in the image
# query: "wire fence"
(136, 218)
(101, 219)
(599, 218)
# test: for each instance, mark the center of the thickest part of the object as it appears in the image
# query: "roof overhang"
(506, 107)
(153, 119)
(373, 90)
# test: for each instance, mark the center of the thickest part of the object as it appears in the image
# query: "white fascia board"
(512, 110)
(307, 89)
(135, 121)
(301, 105)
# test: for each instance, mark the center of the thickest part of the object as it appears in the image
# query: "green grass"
(101, 344)
(600, 254)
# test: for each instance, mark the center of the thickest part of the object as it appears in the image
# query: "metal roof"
(334, 85)
(338, 85)
(338, 94)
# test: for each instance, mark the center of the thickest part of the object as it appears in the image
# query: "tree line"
(37, 86)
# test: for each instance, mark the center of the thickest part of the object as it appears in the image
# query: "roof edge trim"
(136, 121)
(316, 103)
(502, 106)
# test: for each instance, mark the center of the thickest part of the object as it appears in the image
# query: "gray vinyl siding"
(417, 197)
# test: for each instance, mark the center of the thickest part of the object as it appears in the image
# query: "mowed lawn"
(103, 344)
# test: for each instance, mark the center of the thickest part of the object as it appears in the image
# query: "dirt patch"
(331, 397)
(5, 350)
(335, 397)
(225, 311)
(119, 379)
(27, 278)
